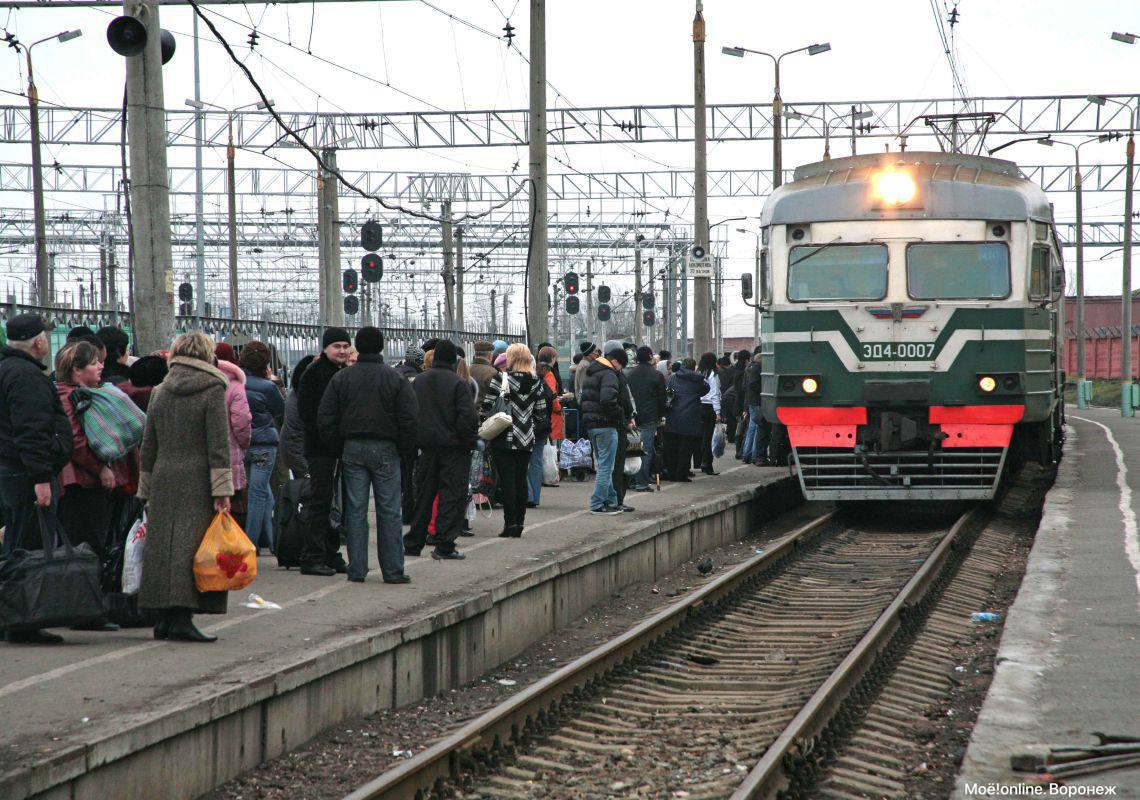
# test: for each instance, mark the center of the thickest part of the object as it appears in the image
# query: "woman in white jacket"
(710, 413)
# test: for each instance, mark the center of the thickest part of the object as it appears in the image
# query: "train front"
(910, 323)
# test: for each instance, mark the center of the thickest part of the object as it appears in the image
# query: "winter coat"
(293, 435)
(84, 467)
(312, 389)
(751, 384)
(185, 464)
(688, 386)
(647, 386)
(35, 433)
(116, 373)
(580, 377)
(369, 401)
(557, 424)
(446, 414)
(241, 421)
(266, 406)
(528, 407)
(482, 372)
(712, 396)
(605, 396)
(407, 371)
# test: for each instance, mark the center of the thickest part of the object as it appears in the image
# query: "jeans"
(749, 449)
(534, 471)
(260, 460)
(375, 464)
(513, 466)
(604, 443)
(648, 434)
(322, 544)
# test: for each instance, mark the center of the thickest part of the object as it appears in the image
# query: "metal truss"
(629, 124)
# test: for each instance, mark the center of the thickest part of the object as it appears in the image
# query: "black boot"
(515, 532)
(182, 629)
(162, 627)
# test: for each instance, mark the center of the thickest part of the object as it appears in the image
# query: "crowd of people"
(224, 431)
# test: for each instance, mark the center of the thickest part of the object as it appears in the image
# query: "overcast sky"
(630, 52)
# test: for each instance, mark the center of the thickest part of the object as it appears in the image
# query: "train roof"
(952, 186)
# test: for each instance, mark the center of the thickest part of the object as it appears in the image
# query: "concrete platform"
(122, 715)
(1069, 660)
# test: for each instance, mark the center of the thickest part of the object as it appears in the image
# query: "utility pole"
(669, 316)
(43, 297)
(649, 337)
(153, 284)
(231, 192)
(112, 290)
(448, 272)
(590, 300)
(537, 274)
(638, 327)
(459, 322)
(199, 188)
(701, 289)
(102, 299)
(506, 313)
(493, 323)
(328, 231)
(690, 351)
(855, 121)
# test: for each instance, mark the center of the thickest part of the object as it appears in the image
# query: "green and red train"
(911, 310)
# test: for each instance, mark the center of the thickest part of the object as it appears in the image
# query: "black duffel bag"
(53, 587)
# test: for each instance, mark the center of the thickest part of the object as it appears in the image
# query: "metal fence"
(292, 341)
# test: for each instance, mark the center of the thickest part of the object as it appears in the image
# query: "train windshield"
(837, 272)
(957, 270)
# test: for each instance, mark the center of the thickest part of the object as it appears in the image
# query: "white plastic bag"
(550, 473)
(133, 557)
(718, 440)
(632, 465)
(471, 510)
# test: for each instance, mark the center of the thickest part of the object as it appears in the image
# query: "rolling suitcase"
(289, 523)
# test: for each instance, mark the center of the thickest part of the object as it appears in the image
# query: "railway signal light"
(371, 235)
(648, 317)
(604, 312)
(603, 294)
(570, 282)
(351, 305)
(371, 268)
(647, 300)
(572, 305)
(351, 282)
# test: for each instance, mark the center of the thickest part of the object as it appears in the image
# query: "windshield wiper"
(818, 250)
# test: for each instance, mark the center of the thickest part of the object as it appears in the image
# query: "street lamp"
(777, 103)
(827, 124)
(43, 289)
(231, 191)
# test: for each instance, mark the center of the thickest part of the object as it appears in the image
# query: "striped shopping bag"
(111, 421)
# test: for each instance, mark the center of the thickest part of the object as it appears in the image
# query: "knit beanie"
(369, 340)
(611, 347)
(255, 357)
(225, 352)
(644, 354)
(334, 335)
(445, 354)
(587, 347)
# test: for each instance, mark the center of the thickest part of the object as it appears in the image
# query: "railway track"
(726, 693)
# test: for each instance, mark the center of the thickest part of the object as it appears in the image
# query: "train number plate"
(891, 351)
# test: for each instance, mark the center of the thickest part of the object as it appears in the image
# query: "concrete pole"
(493, 323)
(102, 299)
(538, 277)
(689, 350)
(332, 301)
(669, 308)
(459, 321)
(1126, 408)
(112, 290)
(1080, 322)
(638, 326)
(702, 338)
(650, 339)
(43, 292)
(199, 187)
(231, 192)
(448, 272)
(590, 319)
(153, 288)
(506, 313)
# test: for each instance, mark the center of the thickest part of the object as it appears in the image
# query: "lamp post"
(43, 279)
(231, 192)
(777, 103)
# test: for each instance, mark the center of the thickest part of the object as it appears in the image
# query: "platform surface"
(1069, 660)
(97, 684)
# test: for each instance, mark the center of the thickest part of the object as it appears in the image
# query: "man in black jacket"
(606, 411)
(35, 443)
(368, 414)
(446, 431)
(759, 429)
(647, 385)
(320, 554)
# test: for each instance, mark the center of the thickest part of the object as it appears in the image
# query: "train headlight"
(810, 385)
(987, 384)
(895, 188)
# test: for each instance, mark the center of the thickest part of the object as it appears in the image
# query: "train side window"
(1039, 288)
(765, 277)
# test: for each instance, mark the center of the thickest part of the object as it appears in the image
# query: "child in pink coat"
(237, 405)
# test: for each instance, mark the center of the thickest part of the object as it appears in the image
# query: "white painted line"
(115, 655)
(1131, 538)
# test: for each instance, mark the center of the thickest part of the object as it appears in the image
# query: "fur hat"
(148, 371)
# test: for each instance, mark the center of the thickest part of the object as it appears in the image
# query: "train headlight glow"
(895, 188)
(810, 385)
(987, 384)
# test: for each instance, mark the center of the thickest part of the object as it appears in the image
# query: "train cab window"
(1039, 288)
(837, 272)
(957, 270)
(765, 277)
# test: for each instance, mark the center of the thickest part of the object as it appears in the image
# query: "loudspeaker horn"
(168, 45)
(127, 36)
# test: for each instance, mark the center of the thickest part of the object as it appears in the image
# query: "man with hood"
(607, 413)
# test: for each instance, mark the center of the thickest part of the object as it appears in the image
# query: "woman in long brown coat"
(185, 479)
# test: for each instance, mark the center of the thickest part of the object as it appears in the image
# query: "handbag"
(52, 587)
(111, 421)
(634, 446)
(670, 398)
(500, 417)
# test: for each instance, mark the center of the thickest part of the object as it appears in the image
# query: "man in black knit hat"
(320, 554)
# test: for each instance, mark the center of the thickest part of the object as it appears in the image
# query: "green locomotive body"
(910, 326)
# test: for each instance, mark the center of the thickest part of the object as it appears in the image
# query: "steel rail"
(442, 760)
(770, 775)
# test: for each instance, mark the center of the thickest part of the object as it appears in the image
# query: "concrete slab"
(106, 712)
(1067, 664)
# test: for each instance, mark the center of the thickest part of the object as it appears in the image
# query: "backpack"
(289, 522)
